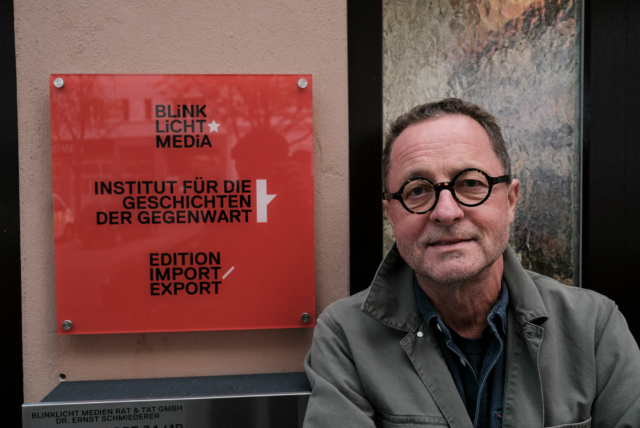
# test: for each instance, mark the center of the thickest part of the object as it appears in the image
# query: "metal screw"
(305, 317)
(67, 325)
(302, 83)
(58, 83)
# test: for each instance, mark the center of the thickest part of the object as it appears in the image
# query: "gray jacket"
(571, 361)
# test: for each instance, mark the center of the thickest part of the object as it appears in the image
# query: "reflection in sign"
(182, 202)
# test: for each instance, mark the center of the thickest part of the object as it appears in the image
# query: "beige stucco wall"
(174, 36)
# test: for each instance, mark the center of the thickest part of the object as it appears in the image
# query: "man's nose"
(447, 210)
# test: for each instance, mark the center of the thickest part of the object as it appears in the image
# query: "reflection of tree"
(82, 114)
(246, 103)
(482, 27)
(265, 118)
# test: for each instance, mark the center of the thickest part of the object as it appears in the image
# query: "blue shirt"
(476, 365)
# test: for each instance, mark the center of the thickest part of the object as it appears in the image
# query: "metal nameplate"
(237, 411)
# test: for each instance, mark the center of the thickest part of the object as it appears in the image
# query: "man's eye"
(416, 192)
(471, 183)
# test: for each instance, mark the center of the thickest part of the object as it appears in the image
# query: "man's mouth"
(449, 242)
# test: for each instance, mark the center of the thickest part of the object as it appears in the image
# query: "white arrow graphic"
(262, 200)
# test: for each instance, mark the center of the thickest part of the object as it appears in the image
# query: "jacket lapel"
(523, 399)
(391, 298)
(428, 361)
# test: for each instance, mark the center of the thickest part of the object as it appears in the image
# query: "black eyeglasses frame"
(446, 185)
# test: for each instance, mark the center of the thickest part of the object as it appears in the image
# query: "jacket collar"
(524, 297)
(391, 299)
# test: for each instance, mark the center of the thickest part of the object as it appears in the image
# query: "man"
(453, 331)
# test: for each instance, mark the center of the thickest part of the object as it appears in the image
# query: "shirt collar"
(432, 317)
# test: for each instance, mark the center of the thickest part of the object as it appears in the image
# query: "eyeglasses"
(470, 187)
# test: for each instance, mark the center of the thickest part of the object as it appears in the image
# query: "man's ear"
(387, 212)
(513, 193)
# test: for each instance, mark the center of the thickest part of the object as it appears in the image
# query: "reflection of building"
(107, 159)
(134, 195)
(115, 141)
(63, 219)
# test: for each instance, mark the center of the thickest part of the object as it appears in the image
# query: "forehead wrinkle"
(435, 140)
(439, 148)
(432, 162)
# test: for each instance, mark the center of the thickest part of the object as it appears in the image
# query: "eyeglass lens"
(470, 187)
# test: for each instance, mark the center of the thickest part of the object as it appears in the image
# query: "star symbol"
(213, 126)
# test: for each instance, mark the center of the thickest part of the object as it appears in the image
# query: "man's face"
(451, 243)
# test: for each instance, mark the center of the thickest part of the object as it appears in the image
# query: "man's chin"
(452, 270)
(450, 277)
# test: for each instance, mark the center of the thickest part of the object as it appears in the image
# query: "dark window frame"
(364, 33)
(611, 153)
(10, 292)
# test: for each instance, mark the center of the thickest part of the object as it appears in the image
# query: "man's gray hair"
(442, 108)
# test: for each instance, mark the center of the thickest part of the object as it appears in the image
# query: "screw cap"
(67, 325)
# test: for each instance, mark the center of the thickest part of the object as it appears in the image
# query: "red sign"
(182, 202)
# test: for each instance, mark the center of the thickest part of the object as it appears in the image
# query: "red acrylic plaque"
(182, 202)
